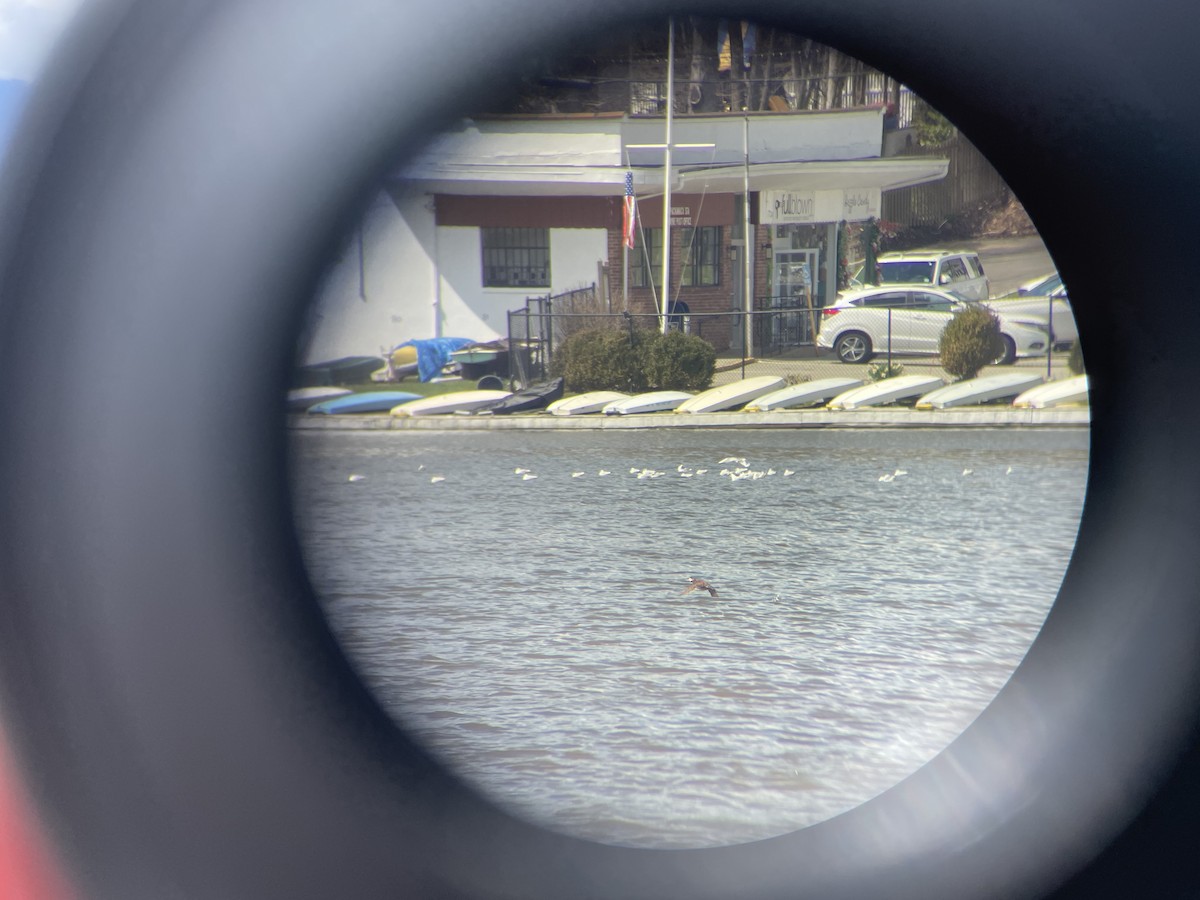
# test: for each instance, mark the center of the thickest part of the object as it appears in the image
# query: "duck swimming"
(699, 584)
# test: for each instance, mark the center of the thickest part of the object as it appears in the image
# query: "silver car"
(861, 324)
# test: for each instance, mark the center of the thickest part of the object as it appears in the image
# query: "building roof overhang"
(886, 174)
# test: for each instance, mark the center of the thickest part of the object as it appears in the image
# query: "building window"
(701, 256)
(645, 259)
(516, 257)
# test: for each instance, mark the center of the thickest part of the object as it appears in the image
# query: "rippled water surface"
(531, 630)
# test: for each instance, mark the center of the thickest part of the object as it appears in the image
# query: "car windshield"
(906, 272)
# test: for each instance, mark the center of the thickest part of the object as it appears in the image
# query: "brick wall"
(715, 299)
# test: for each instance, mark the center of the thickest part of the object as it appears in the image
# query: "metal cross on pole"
(667, 146)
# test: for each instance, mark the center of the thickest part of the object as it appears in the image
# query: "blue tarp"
(434, 353)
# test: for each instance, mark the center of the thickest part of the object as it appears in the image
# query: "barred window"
(516, 257)
(645, 259)
(701, 256)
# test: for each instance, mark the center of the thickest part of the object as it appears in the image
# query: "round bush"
(970, 342)
(599, 360)
(677, 362)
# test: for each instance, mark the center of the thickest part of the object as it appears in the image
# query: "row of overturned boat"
(1008, 398)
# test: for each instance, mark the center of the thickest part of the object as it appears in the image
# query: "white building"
(498, 210)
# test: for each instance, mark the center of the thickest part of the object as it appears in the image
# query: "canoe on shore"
(807, 393)
(530, 399)
(362, 402)
(652, 402)
(300, 399)
(980, 390)
(732, 395)
(1063, 392)
(449, 403)
(889, 390)
(584, 404)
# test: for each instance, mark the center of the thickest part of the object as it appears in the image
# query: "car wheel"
(1009, 356)
(853, 347)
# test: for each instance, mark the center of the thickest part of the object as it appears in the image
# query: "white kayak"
(449, 403)
(732, 395)
(584, 404)
(1055, 393)
(652, 402)
(805, 394)
(889, 390)
(974, 391)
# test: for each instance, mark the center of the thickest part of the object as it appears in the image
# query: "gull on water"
(603, 472)
(519, 471)
(356, 477)
(434, 479)
(526, 476)
(578, 474)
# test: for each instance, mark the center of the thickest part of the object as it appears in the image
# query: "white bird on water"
(519, 471)
(356, 477)
(527, 475)
(603, 472)
(968, 471)
(434, 479)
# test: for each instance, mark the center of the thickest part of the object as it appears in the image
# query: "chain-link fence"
(795, 343)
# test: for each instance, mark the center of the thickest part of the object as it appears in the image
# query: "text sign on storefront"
(803, 207)
(681, 215)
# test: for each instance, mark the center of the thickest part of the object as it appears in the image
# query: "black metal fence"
(794, 342)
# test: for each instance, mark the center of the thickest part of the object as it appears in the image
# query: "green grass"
(413, 386)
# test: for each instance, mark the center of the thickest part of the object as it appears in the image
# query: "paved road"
(1009, 262)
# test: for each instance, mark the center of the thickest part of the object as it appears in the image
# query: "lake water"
(531, 631)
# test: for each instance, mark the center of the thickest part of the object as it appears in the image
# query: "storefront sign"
(805, 207)
(681, 215)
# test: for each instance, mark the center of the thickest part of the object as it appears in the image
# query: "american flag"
(630, 219)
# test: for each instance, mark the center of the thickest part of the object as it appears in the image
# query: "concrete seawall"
(978, 417)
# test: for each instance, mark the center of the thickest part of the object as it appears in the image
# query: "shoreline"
(975, 417)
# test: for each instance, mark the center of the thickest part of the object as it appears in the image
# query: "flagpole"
(748, 247)
(628, 234)
(666, 233)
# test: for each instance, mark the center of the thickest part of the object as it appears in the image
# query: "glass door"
(794, 280)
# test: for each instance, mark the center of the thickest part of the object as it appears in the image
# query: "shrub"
(970, 342)
(677, 362)
(1075, 360)
(882, 370)
(599, 360)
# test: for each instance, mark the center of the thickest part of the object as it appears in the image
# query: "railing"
(785, 340)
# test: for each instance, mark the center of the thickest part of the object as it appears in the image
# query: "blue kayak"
(363, 402)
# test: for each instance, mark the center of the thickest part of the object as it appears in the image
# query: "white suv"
(951, 270)
(864, 323)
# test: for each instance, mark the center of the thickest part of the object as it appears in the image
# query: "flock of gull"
(735, 468)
